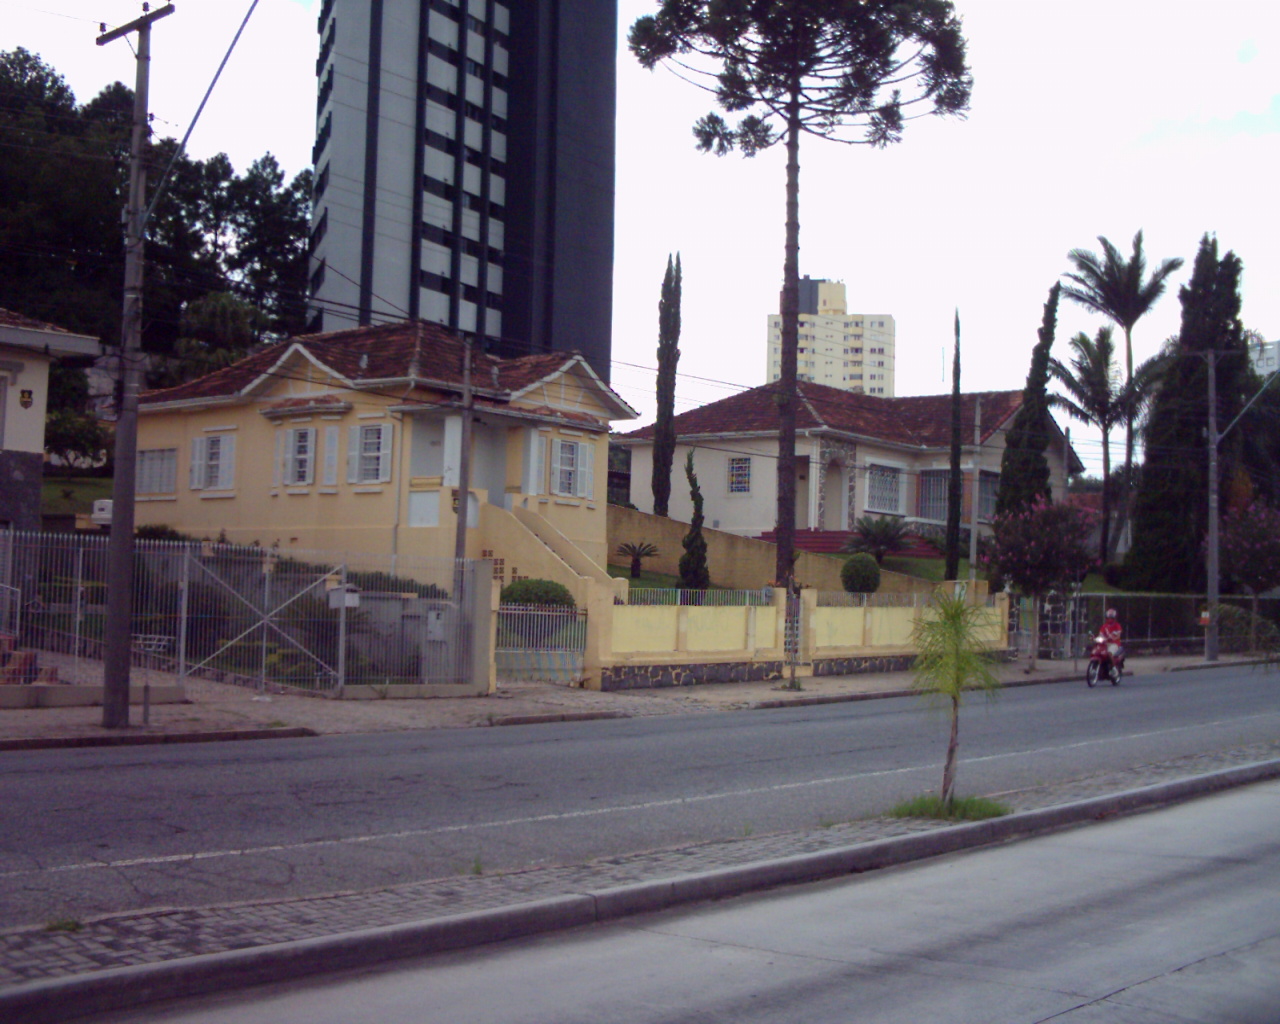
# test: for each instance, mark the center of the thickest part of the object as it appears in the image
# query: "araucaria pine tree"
(1171, 515)
(1024, 470)
(693, 563)
(664, 433)
(955, 485)
(852, 71)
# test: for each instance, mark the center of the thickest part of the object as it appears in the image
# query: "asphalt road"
(101, 830)
(1171, 917)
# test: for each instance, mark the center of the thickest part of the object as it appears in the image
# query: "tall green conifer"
(955, 484)
(1024, 470)
(664, 433)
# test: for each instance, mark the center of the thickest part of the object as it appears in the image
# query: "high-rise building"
(464, 165)
(853, 351)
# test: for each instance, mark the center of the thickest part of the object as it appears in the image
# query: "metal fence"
(540, 643)
(915, 599)
(305, 620)
(1151, 622)
(700, 598)
(10, 611)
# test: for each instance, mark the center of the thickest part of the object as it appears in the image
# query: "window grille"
(933, 494)
(740, 475)
(883, 488)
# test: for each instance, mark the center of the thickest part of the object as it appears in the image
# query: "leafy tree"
(955, 485)
(535, 591)
(860, 574)
(664, 432)
(636, 551)
(1042, 548)
(76, 438)
(694, 574)
(878, 536)
(953, 657)
(1024, 471)
(1095, 395)
(1120, 290)
(1170, 516)
(848, 70)
(1250, 551)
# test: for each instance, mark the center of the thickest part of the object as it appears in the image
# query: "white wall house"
(27, 348)
(855, 454)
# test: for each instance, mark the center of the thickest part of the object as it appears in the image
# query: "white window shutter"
(353, 455)
(539, 464)
(227, 464)
(385, 452)
(196, 475)
(277, 464)
(586, 470)
(311, 454)
(555, 467)
(330, 456)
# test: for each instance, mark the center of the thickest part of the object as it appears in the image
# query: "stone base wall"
(863, 664)
(650, 677)
(20, 476)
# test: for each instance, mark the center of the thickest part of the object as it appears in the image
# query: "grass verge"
(961, 808)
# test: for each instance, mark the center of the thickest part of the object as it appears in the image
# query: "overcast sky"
(1089, 117)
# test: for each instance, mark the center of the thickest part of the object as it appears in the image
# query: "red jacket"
(1112, 630)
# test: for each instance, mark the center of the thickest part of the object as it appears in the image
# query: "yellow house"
(352, 441)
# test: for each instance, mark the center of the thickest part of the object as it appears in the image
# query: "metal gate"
(540, 643)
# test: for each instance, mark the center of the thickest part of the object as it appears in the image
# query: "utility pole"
(975, 499)
(464, 464)
(115, 691)
(1211, 556)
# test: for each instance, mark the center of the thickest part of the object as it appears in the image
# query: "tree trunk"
(1035, 631)
(1105, 546)
(1126, 497)
(953, 745)
(1253, 620)
(785, 528)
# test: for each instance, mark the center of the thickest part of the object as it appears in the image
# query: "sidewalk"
(70, 969)
(218, 710)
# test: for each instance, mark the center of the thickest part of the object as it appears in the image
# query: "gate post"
(342, 629)
(184, 607)
(599, 649)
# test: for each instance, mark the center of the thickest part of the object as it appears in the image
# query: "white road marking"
(648, 805)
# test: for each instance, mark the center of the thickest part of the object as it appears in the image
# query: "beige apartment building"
(850, 351)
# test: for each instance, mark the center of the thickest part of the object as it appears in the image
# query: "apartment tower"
(853, 351)
(464, 165)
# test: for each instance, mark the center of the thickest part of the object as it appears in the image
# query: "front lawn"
(67, 495)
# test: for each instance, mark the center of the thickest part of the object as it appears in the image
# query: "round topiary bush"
(860, 574)
(537, 592)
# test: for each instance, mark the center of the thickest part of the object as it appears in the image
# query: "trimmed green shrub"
(860, 574)
(537, 592)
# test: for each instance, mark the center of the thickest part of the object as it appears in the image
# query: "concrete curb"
(564, 716)
(61, 999)
(149, 739)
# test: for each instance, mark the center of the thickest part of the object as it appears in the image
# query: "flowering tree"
(1040, 548)
(1250, 551)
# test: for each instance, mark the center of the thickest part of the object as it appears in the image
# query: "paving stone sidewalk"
(72, 948)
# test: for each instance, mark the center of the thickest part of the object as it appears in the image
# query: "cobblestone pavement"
(68, 948)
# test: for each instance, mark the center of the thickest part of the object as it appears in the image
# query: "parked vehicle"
(1106, 661)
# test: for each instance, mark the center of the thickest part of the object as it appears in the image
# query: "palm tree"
(1119, 289)
(1094, 394)
(878, 536)
(637, 550)
(953, 641)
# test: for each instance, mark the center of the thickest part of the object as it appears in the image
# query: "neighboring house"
(351, 441)
(855, 455)
(27, 348)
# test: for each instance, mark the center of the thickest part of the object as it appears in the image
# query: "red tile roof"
(8, 318)
(392, 352)
(923, 421)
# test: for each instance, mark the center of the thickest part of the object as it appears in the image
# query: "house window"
(572, 468)
(988, 484)
(213, 462)
(740, 475)
(157, 471)
(884, 486)
(933, 494)
(299, 456)
(369, 454)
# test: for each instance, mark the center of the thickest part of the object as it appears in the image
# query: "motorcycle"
(1103, 662)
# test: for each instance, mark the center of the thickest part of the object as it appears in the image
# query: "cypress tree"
(694, 574)
(1171, 511)
(664, 433)
(955, 485)
(1024, 470)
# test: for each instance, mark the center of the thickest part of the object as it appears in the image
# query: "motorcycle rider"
(1113, 632)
